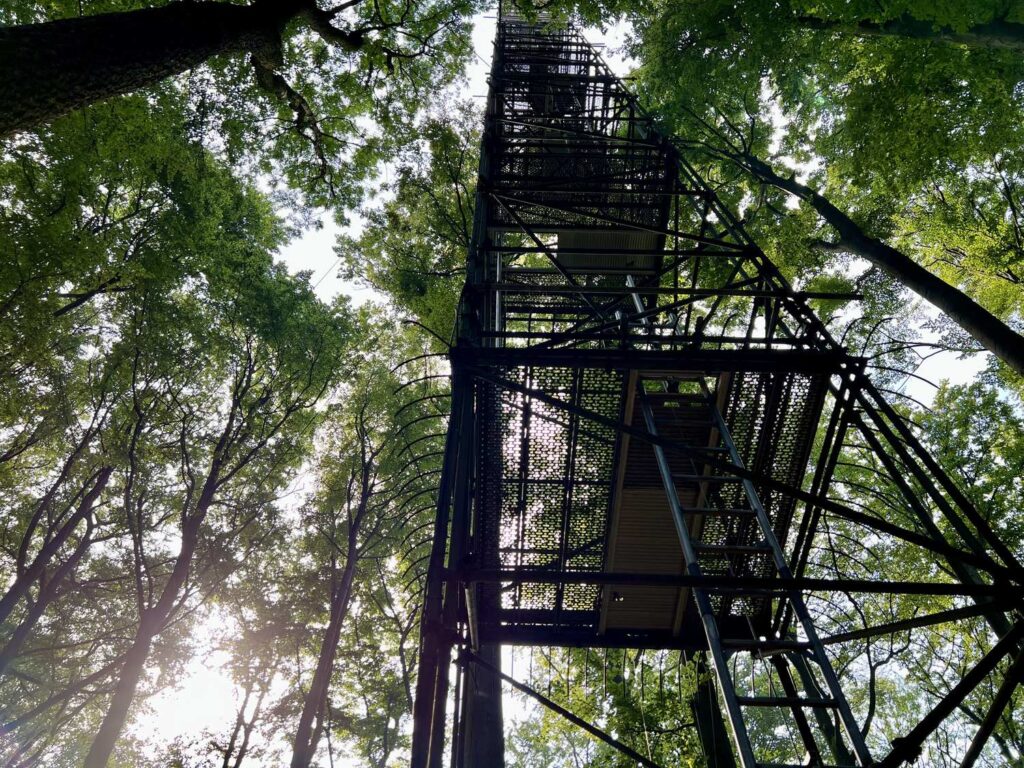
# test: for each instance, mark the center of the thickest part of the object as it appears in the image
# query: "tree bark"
(999, 33)
(58, 66)
(987, 329)
(150, 624)
(304, 747)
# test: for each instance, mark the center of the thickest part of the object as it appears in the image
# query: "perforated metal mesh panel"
(545, 487)
(772, 418)
(564, 119)
(546, 480)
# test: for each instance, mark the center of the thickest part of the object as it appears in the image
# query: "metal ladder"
(832, 698)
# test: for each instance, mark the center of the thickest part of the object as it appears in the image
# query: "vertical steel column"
(707, 715)
(483, 733)
(442, 600)
(424, 705)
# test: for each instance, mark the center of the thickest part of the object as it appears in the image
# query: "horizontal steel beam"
(575, 637)
(557, 290)
(740, 584)
(700, 361)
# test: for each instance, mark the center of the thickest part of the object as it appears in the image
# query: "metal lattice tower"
(646, 423)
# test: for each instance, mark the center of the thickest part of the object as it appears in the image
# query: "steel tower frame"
(637, 397)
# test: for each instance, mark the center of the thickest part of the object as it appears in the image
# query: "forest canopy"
(203, 458)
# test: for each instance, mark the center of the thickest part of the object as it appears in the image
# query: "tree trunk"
(987, 329)
(248, 725)
(58, 66)
(304, 746)
(150, 624)
(124, 693)
(1000, 34)
(29, 575)
(229, 750)
(60, 697)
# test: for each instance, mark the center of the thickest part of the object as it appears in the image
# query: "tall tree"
(276, 371)
(362, 515)
(341, 80)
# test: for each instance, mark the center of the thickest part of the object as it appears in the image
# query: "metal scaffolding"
(645, 429)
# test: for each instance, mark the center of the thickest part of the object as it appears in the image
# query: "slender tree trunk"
(987, 329)
(248, 726)
(999, 33)
(34, 571)
(150, 624)
(58, 66)
(306, 736)
(43, 508)
(229, 751)
(124, 693)
(305, 744)
(61, 697)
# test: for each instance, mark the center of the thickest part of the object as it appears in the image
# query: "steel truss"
(628, 358)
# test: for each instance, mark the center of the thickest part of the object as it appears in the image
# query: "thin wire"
(330, 269)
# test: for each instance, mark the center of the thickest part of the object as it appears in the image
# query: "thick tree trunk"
(56, 67)
(987, 329)
(995, 34)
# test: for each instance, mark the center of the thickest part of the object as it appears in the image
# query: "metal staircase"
(734, 559)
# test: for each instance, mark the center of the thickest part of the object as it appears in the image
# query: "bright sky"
(205, 698)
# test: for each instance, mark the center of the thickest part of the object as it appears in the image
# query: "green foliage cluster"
(414, 243)
(334, 94)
